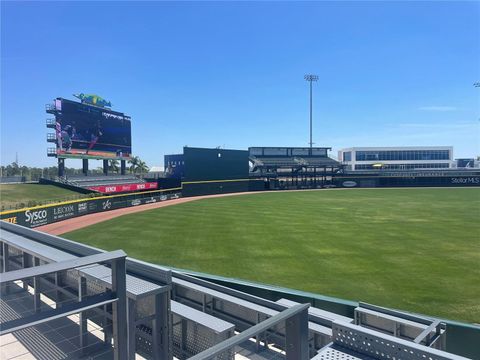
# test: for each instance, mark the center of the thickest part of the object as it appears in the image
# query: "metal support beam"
(425, 334)
(61, 167)
(83, 328)
(6, 262)
(119, 288)
(161, 328)
(183, 339)
(105, 167)
(25, 264)
(296, 342)
(85, 166)
(58, 294)
(131, 319)
(107, 327)
(37, 303)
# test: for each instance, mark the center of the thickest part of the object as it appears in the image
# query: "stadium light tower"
(311, 78)
(477, 84)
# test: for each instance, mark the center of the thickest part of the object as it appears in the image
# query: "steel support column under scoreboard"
(61, 167)
(105, 166)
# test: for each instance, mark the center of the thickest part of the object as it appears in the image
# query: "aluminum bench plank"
(219, 326)
(317, 312)
(135, 287)
(44, 252)
(391, 317)
(225, 297)
(319, 329)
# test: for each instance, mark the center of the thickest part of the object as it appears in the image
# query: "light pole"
(311, 78)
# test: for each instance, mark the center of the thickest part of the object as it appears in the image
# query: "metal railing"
(296, 336)
(51, 137)
(38, 275)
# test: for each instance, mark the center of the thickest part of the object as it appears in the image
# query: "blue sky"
(231, 74)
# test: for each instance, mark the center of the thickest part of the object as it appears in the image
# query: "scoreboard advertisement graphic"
(88, 131)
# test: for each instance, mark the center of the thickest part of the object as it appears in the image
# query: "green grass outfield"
(16, 194)
(412, 249)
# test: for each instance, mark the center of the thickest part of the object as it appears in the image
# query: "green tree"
(134, 164)
(113, 166)
(142, 167)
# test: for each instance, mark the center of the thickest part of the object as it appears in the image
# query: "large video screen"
(87, 131)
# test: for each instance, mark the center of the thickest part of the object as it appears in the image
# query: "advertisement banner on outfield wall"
(111, 189)
(39, 216)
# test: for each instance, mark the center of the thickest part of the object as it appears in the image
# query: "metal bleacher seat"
(350, 342)
(244, 313)
(87, 181)
(401, 324)
(195, 331)
(327, 316)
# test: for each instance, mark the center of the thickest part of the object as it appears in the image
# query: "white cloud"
(438, 108)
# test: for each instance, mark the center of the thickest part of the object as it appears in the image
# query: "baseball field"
(412, 249)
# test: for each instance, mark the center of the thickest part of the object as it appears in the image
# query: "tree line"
(136, 166)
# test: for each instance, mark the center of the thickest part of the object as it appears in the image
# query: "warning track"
(76, 223)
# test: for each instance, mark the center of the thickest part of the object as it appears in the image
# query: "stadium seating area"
(102, 180)
(292, 162)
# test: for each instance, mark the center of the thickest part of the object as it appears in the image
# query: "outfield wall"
(199, 188)
(33, 217)
(406, 180)
(47, 214)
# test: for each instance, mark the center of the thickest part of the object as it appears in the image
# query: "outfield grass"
(12, 195)
(412, 249)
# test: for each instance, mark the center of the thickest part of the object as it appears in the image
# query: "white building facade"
(397, 158)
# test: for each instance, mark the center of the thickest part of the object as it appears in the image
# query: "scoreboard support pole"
(61, 167)
(85, 166)
(122, 167)
(105, 167)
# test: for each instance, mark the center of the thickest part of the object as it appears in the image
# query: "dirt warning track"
(65, 226)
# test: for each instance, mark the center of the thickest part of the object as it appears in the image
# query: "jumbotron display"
(88, 131)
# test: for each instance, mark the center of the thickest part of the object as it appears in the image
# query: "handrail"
(60, 266)
(249, 333)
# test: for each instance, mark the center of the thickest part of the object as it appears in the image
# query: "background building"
(397, 158)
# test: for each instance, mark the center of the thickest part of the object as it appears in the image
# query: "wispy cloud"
(448, 126)
(438, 108)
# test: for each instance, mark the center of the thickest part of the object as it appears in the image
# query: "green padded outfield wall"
(218, 170)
